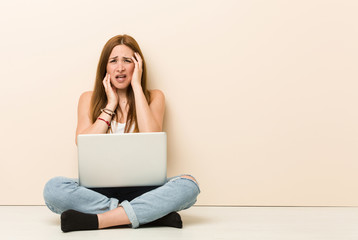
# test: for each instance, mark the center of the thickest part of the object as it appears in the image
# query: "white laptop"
(122, 160)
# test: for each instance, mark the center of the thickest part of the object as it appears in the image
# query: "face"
(120, 66)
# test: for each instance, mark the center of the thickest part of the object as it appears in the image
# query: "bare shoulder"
(83, 109)
(84, 103)
(85, 99)
(86, 95)
(156, 95)
(157, 106)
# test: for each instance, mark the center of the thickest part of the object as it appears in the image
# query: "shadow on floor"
(53, 220)
(191, 219)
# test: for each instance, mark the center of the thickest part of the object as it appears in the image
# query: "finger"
(105, 82)
(134, 59)
(139, 60)
(138, 56)
(110, 86)
(109, 80)
(135, 62)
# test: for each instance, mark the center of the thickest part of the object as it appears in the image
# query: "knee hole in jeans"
(189, 177)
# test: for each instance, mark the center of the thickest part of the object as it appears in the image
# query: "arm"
(84, 123)
(149, 116)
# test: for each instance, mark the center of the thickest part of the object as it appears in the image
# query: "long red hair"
(99, 97)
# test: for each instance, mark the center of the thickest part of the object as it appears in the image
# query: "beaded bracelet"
(108, 111)
(105, 121)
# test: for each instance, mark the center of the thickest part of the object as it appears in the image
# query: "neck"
(122, 96)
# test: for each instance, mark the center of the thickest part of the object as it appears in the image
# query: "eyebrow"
(122, 57)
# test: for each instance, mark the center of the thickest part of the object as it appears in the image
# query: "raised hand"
(138, 69)
(112, 96)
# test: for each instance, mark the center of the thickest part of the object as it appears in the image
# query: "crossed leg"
(118, 216)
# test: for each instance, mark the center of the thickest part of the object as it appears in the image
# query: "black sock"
(173, 219)
(72, 220)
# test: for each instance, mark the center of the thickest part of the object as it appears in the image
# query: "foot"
(173, 219)
(72, 220)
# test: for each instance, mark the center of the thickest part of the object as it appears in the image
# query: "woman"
(120, 103)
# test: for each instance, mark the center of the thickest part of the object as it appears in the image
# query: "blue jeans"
(142, 204)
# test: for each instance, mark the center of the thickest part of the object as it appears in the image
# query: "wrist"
(111, 107)
(136, 87)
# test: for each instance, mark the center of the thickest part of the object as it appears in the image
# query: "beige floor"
(339, 223)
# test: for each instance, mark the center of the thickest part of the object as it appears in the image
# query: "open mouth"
(122, 76)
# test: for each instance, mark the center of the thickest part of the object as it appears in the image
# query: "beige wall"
(261, 95)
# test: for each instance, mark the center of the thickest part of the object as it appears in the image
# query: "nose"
(121, 67)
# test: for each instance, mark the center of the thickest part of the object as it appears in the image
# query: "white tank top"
(119, 127)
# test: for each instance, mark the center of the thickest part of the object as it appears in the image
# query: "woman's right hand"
(112, 96)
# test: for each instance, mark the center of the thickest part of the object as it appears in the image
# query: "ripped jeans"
(141, 204)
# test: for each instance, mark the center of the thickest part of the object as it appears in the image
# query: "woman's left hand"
(138, 69)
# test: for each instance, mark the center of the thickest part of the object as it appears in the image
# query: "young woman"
(120, 103)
